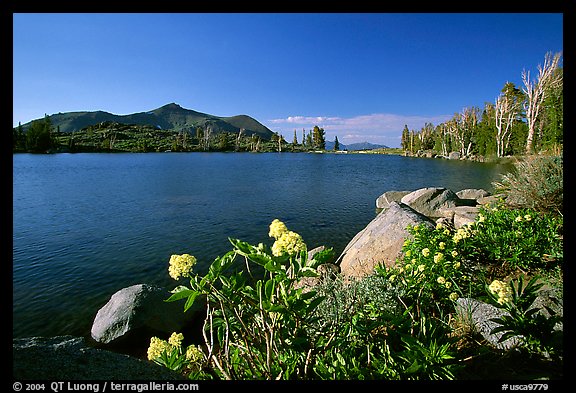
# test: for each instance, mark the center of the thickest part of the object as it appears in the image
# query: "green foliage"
(537, 182)
(522, 238)
(39, 137)
(318, 138)
(526, 321)
(397, 324)
(433, 271)
(256, 319)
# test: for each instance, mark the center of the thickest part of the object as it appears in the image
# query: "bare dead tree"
(536, 92)
(207, 135)
(239, 138)
(506, 110)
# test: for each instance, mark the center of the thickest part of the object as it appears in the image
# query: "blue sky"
(360, 76)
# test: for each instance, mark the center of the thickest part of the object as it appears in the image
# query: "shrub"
(521, 238)
(536, 182)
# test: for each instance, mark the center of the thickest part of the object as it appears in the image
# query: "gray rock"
(384, 200)
(380, 241)
(136, 313)
(460, 215)
(70, 358)
(472, 193)
(454, 155)
(479, 315)
(431, 200)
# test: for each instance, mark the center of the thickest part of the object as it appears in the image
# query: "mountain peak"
(168, 117)
(171, 106)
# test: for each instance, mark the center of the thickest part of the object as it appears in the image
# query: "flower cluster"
(277, 228)
(462, 233)
(159, 349)
(181, 265)
(287, 242)
(502, 291)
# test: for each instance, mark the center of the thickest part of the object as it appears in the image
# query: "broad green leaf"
(182, 293)
(190, 300)
(260, 259)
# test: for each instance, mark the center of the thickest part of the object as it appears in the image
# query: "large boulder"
(381, 241)
(472, 194)
(71, 358)
(460, 216)
(430, 201)
(134, 314)
(384, 200)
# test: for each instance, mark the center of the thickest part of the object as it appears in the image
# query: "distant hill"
(355, 146)
(365, 146)
(358, 146)
(168, 117)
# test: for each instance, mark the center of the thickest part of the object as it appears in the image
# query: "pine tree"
(336, 143)
(318, 138)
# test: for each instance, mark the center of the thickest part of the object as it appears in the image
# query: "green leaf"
(191, 298)
(414, 367)
(308, 272)
(269, 288)
(242, 247)
(260, 259)
(179, 292)
(323, 256)
(273, 266)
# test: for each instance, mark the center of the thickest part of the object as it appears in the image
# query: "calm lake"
(88, 225)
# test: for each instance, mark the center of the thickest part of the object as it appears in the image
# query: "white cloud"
(381, 128)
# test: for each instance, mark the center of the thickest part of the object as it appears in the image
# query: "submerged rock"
(71, 358)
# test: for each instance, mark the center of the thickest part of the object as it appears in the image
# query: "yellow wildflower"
(408, 253)
(176, 339)
(462, 233)
(448, 284)
(518, 219)
(441, 245)
(481, 218)
(277, 228)
(289, 243)
(426, 251)
(446, 231)
(194, 354)
(454, 253)
(528, 217)
(392, 278)
(439, 226)
(439, 257)
(501, 289)
(453, 296)
(181, 265)
(157, 347)
(421, 267)
(456, 265)
(441, 280)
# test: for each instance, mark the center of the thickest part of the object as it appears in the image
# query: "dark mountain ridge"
(168, 117)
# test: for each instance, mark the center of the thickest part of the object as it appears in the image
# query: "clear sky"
(360, 76)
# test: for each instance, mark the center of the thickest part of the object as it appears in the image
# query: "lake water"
(88, 225)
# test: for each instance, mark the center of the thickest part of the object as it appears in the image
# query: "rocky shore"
(122, 328)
